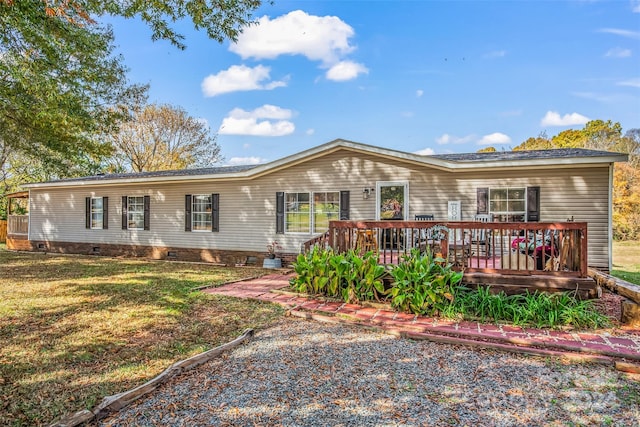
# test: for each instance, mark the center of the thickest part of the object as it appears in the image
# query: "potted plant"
(272, 261)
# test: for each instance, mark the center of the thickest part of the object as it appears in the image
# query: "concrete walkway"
(605, 346)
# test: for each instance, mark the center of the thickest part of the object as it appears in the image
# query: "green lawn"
(626, 261)
(75, 329)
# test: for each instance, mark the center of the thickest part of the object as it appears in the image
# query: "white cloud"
(425, 152)
(624, 33)
(239, 78)
(319, 38)
(419, 93)
(345, 70)
(618, 52)
(235, 161)
(310, 131)
(635, 6)
(553, 118)
(452, 139)
(494, 138)
(495, 54)
(258, 122)
(630, 82)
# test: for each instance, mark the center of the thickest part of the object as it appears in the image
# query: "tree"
(220, 19)
(487, 150)
(541, 142)
(162, 137)
(59, 84)
(626, 202)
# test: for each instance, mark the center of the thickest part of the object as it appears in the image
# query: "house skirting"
(214, 256)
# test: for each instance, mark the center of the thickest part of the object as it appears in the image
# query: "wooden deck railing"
(546, 248)
(18, 225)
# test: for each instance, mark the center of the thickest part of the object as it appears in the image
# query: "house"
(231, 214)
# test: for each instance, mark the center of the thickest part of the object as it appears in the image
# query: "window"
(201, 212)
(326, 207)
(135, 213)
(297, 213)
(508, 204)
(96, 210)
(302, 216)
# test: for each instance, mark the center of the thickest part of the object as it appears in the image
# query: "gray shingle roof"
(181, 172)
(560, 153)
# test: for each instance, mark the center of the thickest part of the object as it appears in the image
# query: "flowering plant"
(272, 247)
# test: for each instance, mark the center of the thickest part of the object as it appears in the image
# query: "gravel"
(305, 373)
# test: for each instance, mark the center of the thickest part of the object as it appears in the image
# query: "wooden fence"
(3, 230)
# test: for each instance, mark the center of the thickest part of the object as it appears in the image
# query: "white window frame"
(96, 214)
(313, 208)
(507, 213)
(137, 202)
(311, 212)
(287, 211)
(207, 212)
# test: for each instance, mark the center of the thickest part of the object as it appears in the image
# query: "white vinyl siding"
(248, 211)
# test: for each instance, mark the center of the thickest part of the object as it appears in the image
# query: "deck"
(511, 256)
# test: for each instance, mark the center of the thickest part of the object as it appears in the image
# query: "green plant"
(348, 276)
(537, 309)
(422, 284)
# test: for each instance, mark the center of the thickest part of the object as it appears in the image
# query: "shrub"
(422, 284)
(348, 276)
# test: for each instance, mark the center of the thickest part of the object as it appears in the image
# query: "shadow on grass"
(75, 329)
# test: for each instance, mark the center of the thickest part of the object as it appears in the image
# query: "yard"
(75, 329)
(626, 261)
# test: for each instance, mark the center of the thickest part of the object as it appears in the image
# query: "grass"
(75, 329)
(626, 261)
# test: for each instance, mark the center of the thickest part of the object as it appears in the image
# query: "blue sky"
(417, 76)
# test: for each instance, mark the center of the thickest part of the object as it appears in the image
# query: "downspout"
(610, 216)
(29, 221)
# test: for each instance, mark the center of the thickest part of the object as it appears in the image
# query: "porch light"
(366, 192)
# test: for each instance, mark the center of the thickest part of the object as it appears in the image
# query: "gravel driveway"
(304, 373)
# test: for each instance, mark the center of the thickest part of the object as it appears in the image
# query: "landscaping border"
(118, 401)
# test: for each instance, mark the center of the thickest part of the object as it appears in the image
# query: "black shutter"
(280, 212)
(87, 212)
(105, 213)
(533, 204)
(187, 212)
(482, 206)
(215, 212)
(124, 213)
(147, 203)
(344, 205)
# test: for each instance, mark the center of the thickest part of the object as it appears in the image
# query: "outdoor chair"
(481, 237)
(424, 217)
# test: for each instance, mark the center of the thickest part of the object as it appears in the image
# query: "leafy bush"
(426, 285)
(422, 284)
(348, 276)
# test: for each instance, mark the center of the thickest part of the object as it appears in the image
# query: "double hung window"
(305, 212)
